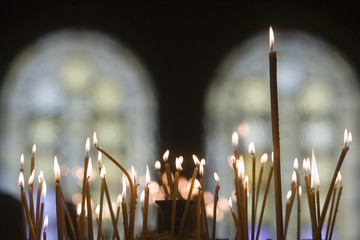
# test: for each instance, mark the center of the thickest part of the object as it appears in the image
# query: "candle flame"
(345, 136)
(56, 169)
(87, 145)
(99, 157)
(296, 164)
(41, 177)
(44, 189)
(240, 167)
(178, 164)
(97, 211)
(232, 159)
(103, 172)
(293, 177)
(216, 177)
(235, 139)
(142, 196)
(203, 162)
(340, 178)
(305, 169)
(166, 155)
(31, 178)
(21, 180)
(181, 159)
(300, 191)
(147, 175)
(264, 158)
(95, 141)
(252, 148)
(157, 165)
(89, 169)
(133, 173)
(230, 203)
(46, 222)
(271, 38)
(78, 209)
(196, 160)
(201, 170)
(34, 149)
(22, 160)
(119, 200)
(349, 138)
(308, 164)
(246, 181)
(272, 157)
(197, 184)
(288, 195)
(123, 193)
(315, 181)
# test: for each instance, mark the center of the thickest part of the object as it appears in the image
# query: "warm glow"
(157, 165)
(232, 159)
(41, 177)
(252, 148)
(350, 138)
(315, 181)
(293, 177)
(89, 169)
(339, 177)
(147, 176)
(78, 209)
(178, 164)
(246, 181)
(133, 173)
(95, 141)
(197, 184)
(166, 155)
(31, 178)
(99, 157)
(272, 157)
(46, 222)
(296, 164)
(203, 162)
(119, 200)
(305, 168)
(235, 139)
(271, 38)
(216, 177)
(56, 169)
(142, 196)
(97, 211)
(300, 191)
(21, 180)
(230, 203)
(123, 193)
(103, 172)
(201, 170)
(87, 145)
(22, 160)
(288, 195)
(34, 149)
(240, 167)
(44, 189)
(181, 159)
(264, 158)
(196, 160)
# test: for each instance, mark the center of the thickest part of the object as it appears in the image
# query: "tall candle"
(235, 142)
(337, 206)
(253, 214)
(146, 203)
(38, 226)
(178, 163)
(331, 209)
(45, 226)
(59, 207)
(299, 211)
(198, 210)
(124, 209)
(234, 218)
(44, 189)
(88, 201)
(275, 136)
(31, 197)
(263, 160)
(296, 166)
(203, 214)
(102, 189)
(86, 161)
(158, 167)
(246, 196)
(22, 207)
(216, 198)
(347, 141)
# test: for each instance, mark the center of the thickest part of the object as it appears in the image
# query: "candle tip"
(235, 139)
(178, 162)
(46, 222)
(157, 165)
(166, 155)
(95, 141)
(216, 177)
(56, 169)
(196, 160)
(89, 169)
(296, 164)
(252, 148)
(147, 175)
(31, 178)
(271, 39)
(44, 189)
(264, 158)
(34, 149)
(21, 180)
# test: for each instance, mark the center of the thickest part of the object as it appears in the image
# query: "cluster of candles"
(172, 192)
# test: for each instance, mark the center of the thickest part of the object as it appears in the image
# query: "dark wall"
(180, 44)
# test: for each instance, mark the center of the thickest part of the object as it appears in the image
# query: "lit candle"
(25, 206)
(102, 176)
(275, 136)
(196, 169)
(32, 166)
(331, 208)
(347, 142)
(288, 197)
(337, 205)
(202, 173)
(22, 208)
(198, 232)
(133, 202)
(178, 163)
(290, 201)
(168, 172)
(263, 160)
(158, 167)
(241, 195)
(234, 218)
(235, 142)
(146, 203)
(31, 197)
(203, 214)
(296, 166)
(78, 213)
(88, 200)
(38, 226)
(44, 189)
(59, 207)
(246, 196)
(124, 208)
(253, 214)
(86, 161)
(118, 204)
(299, 211)
(216, 198)
(45, 226)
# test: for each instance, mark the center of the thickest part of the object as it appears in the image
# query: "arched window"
(63, 87)
(318, 98)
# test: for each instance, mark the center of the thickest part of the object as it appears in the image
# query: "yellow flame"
(89, 169)
(315, 181)
(235, 139)
(201, 170)
(78, 209)
(349, 138)
(196, 160)
(147, 175)
(133, 173)
(22, 160)
(197, 184)
(34, 149)
(103, 172)
(340, 178)
(95, 141)
(345, 136)
(252, 148)
(87, 145)
(203, 162)
(288, 195)
(296, 164)
(300, 191)
(166, 155)
(56, 169)
(240, 167)
(293, 177)
(157, 165)
(264, 158)
(31, 178)
(246, 181)
(232, 159)
(99, 157)
(46, 221)
(21, 180)
(178, 163)
(41, 177)
(305, 168)
(142, 196)
(271, 38)
(44, 189)
(216, 177)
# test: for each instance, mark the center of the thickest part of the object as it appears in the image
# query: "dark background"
(181, 44)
